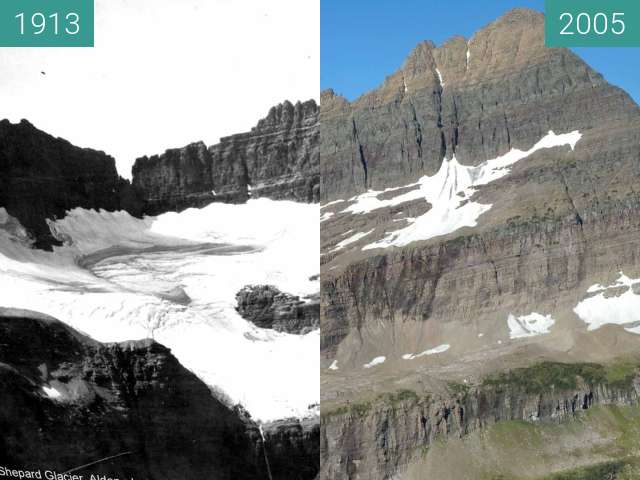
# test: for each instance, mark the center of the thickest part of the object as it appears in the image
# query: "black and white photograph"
(159, 238)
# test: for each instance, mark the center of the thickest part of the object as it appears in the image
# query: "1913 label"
(46, 23)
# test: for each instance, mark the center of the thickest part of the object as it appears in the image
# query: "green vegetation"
(399, 396)
(614, 470)
(360, 409)
(460, 389)
(547, 376)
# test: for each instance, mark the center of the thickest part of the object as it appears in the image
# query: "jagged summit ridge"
(475, 99)
(405, 270)
(278, 159)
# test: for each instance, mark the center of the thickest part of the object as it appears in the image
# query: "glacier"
(112, 280)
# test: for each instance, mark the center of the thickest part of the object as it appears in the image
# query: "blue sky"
(362, 41)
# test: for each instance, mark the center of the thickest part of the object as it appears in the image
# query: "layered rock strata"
(277, 159)
(380, 437)
(552, 226)
(268, 307)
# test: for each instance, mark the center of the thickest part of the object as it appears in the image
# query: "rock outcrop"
(69, 401)
(268, 307)
(42, 177)
(279, 159)
(293, 448)
(474, 99)
(379, 438)
(557, 220)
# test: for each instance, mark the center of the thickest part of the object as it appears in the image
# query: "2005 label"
(592, 23)
(584, 24)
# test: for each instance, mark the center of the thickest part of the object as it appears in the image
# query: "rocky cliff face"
(268, 307)
(474, 99)
(277, 159)
(428, 293)
(70, 401)
(380, 438)
(43, 177)
(555, 222)
(293, 448)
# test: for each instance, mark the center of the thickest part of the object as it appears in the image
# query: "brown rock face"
(508, 93)
(132, 398)
(43, 177)
(277, 159)
(555, 220)
(559, 222)
(379, 439)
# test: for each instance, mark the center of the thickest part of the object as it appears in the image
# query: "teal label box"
(592, 23)
(46, 23)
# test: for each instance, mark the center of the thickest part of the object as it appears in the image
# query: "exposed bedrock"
(279, 159)
(79, 401)
(293, 448)
(509, 92)
(378, 438)
(268, 307)
(519, 267)
(558, 222)
(42, 177)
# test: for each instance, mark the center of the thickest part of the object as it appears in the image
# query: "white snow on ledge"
(529, 325)
(51, 392)
(334, 365)
(374, 362)
(623, 309)
(439, 349)
(449, 193)
(334, 202)
(352, 239)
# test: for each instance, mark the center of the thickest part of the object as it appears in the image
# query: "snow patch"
(352, 239)
(449, 193)
(601, 309)
(440, 78)
(51, 392)
(529, 325)
(326, 216)
(334, 365)
(335, 202)
(374, 362)
(432, 351)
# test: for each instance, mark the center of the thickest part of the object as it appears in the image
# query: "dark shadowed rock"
(42, 177)
(69, 401)
(293, 447)
(268, 307)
